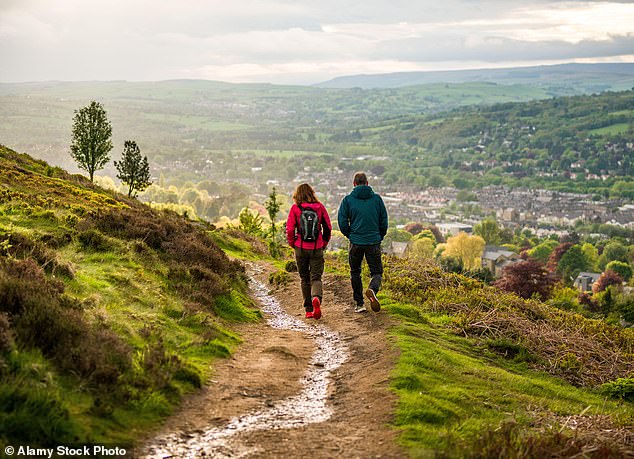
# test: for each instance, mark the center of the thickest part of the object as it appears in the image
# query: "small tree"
(605, 280)
(250, 221)
(421, 249)
(572, 263)
(488, 230)
(556, 254)
(414, 228)
(468, 248)
(133, 170)
(91, 143)
(621, 268)
(272, 206)
(527, 278)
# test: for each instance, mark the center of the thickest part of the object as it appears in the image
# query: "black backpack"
(308, 224)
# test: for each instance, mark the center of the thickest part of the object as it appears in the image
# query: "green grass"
(619, 128)
(452, 389)
(285, 154)
(196, 122)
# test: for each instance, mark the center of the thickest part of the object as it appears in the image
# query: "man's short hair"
(360, 179)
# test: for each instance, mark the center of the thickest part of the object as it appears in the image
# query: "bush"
(584, 352)
(624, 304)
(92, 240)
(279, 278)
(605, 280)
(22, 246)
(621, 268)
(6, 337)
(44, 318)
(290, 266)
(621, 388)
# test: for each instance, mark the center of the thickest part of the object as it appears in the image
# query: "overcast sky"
(300, 41)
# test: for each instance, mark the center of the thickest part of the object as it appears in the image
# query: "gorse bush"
(621, 388)
(583, 351)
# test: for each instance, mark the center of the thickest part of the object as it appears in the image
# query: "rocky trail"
(296, 387)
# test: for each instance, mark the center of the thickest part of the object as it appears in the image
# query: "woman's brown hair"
(304, 193)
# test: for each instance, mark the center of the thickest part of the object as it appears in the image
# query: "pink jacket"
(292, 227)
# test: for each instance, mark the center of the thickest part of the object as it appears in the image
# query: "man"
(363, 220)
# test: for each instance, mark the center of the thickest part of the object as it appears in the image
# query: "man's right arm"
(383, 223)
(342, 218)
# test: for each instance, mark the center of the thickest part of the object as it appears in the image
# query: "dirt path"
(270, 400)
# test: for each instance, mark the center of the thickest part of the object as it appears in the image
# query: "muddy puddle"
(308, 406)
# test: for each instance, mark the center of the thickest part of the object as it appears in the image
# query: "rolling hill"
(562, 79)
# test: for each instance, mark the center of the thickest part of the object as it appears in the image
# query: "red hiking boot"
(309, 314)
(316, 308)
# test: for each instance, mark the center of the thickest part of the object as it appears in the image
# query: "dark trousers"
(310, 264)
(372, 254)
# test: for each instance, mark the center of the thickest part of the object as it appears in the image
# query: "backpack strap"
(299, 227)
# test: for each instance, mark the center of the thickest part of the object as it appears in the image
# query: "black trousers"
(310, 264)
(372, 254)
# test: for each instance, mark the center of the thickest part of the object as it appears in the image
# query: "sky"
(300, 41)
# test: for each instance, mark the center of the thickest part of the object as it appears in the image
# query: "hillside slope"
(581, 143)
(109, 311)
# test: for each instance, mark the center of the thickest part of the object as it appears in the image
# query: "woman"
(308, 231)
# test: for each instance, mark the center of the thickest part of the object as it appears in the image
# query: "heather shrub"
(197, 284)
(6, 338)
(44, 318)
(21, 246)
(92, 240)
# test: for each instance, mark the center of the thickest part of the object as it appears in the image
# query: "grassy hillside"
(109, 311)
(486, 374)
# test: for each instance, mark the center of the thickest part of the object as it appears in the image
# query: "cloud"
(499, 49)
(294, 39)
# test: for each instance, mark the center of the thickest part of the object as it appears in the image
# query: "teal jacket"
(362, 216)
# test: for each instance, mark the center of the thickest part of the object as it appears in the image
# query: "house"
(585, 281)
(398, 249)
(495, 259)
(452, 229)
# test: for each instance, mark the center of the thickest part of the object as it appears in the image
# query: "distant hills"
(585, 78)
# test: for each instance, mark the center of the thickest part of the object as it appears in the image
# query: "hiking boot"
(374, 303)
(309, 314)
(316, 308)
(360, 308)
